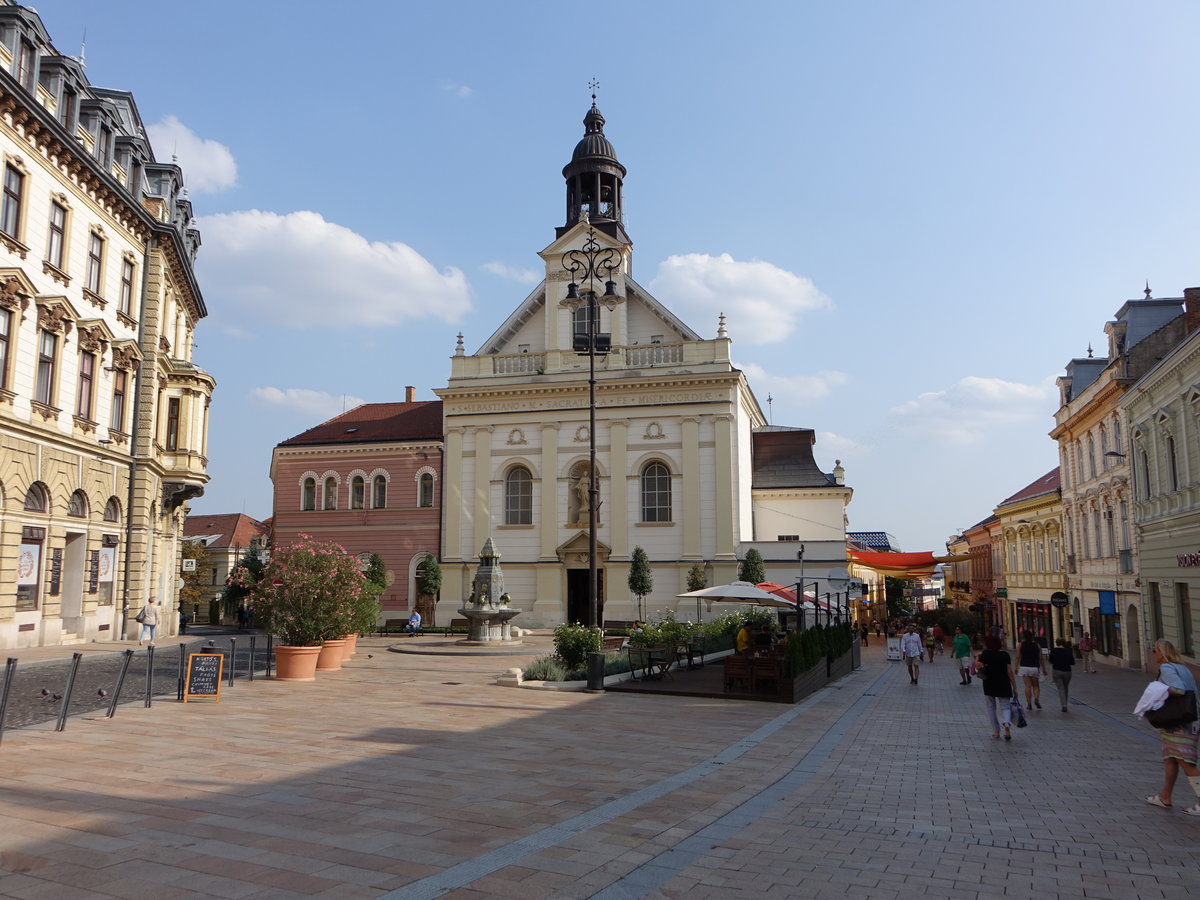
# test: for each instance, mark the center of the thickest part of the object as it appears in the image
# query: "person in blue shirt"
(414, 624)
(1178, 744)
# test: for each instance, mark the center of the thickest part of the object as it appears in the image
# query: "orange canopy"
(901, 565)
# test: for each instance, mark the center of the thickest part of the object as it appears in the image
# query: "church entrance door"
(578, 607)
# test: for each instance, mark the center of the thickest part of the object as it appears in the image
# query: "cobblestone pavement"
(412, 776)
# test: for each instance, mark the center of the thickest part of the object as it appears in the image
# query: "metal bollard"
(232, 659)
(270, 657)
(595, 673)
(10, 671)
(149, 674)
(182, 670)
(66, 699)
(250, 671)
(112, 707)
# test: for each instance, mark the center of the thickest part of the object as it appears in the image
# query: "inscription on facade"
(609, 400)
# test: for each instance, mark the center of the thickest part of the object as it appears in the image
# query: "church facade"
(677, 432)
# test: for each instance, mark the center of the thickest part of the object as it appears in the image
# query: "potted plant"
(307, 598)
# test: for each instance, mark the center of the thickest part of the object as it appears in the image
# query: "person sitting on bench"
(414, 624)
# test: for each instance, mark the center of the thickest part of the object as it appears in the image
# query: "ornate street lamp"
(590, 264)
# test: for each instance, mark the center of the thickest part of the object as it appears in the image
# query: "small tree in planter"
(641, 579)
(752, 569)
(696, 579)
(429, 581)
(309, 592)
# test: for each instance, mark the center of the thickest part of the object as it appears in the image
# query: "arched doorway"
(1133, 638)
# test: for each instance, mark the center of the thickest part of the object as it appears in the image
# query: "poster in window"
(108, 563)
(29, 563)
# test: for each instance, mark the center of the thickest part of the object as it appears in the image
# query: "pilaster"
(690, 509)
(618, 487)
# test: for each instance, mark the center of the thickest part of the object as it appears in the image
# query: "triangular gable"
(513, 324)
(577, 546)
(634, 291)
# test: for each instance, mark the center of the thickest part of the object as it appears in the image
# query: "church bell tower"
(595, 181)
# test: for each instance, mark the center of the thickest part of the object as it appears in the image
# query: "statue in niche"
(583, 495)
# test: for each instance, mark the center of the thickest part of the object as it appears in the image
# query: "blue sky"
(912, 214)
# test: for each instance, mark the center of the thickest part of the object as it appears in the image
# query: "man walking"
(1085, 649)
(911, 650)
(962, 655)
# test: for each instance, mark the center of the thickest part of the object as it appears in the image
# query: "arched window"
(379, 492)
(36, 499)
(358, 492)
(518, 497)
(330, 493)
(656, 493)
(308, 494)
(112, 510)
(425, 490)
(77, 505)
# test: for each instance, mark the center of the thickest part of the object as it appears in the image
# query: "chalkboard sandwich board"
(204, 676)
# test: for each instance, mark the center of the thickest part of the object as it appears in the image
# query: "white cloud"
(791, 388)
(208, 166)
(461, 91)
(299, 270)
(976, 408)
(313, 404)
(830, 444)
(762, 302)
(521, 276)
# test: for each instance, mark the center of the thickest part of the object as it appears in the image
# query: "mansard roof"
(376, 422)
(783, 458)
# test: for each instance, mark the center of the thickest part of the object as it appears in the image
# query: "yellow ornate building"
(103, 415)
(1031, 555)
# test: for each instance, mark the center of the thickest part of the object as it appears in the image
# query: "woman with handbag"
(1179, 743)
(148, 619)
(994, 668)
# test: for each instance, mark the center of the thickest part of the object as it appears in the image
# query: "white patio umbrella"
(739, 592)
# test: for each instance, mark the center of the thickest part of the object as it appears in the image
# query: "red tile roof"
(377, 422)
(224, 529)
(1044, 485)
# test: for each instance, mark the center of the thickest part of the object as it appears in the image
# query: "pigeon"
(45, 694)
(55, 698)
(370, 656)
(102, 693)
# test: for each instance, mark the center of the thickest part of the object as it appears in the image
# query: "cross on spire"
(593, 86)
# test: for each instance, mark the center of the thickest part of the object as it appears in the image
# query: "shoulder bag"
(1177, 710)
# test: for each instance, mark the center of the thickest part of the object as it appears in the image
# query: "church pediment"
(574, 552)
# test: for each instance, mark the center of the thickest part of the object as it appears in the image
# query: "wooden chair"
(737, 673)
(764, 675)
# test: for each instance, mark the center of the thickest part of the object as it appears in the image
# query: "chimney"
(1191, 309)
(410, 392)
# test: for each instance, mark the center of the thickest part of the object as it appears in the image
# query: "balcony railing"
(519, 364)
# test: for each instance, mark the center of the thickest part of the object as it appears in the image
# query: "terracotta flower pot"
(296, 663)
(351, 646)
(330, 658)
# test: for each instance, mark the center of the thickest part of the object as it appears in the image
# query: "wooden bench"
(610, 644)
(460, 624)
(618, 624)
(389, 624)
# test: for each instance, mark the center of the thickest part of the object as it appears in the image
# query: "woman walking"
(1031, 668)
(995, 668)
(1061, 660)
(148, 617)
(1178, 744)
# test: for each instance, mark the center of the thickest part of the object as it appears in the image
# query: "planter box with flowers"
(310, 592)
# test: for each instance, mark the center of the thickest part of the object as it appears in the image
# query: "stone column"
(724, 486)
(452, 496)
(617, 501)
(483, 485)
(690, 508)
(550, 512)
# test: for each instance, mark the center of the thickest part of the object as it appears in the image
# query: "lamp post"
(839, 580)
(800, 603)
(590, 264)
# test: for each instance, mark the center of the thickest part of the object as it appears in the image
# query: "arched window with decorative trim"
(77, 505)
(656, 492)
(1172, 464)
(308, 494)
(112, 510)
(379, 492)
(37, 498)
(518, 496)
(330, 493)
(425, 490)
(358, 492)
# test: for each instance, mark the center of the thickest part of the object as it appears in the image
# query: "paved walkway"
(412, 776)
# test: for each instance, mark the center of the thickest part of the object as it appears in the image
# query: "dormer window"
(26, 64)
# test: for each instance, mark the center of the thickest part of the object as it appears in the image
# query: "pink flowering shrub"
(310, 592)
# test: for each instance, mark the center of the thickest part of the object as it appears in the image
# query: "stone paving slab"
(413, 776)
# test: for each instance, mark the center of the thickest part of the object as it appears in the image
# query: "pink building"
(370, 480)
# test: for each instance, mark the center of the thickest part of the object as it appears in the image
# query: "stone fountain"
(487, 610)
